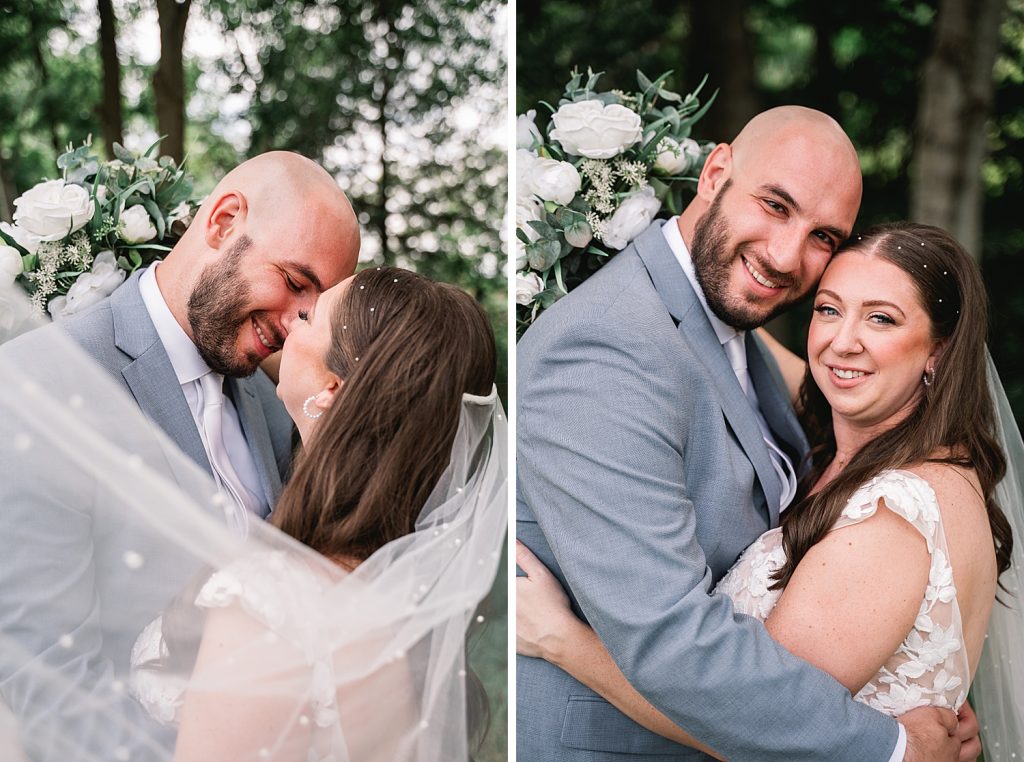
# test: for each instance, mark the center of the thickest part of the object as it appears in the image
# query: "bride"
(336, 630)
(885, 569)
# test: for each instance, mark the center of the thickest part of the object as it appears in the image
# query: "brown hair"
(407, 349)
(955, 413)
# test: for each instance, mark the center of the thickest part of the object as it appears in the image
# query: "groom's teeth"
(848, 373)
(263, 338)
(758, 277)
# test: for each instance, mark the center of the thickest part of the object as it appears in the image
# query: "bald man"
(185, 339)
(656, 442)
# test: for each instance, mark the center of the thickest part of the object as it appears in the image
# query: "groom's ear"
(716, 172)
(225, 216)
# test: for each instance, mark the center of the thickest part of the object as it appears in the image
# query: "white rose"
(22, 237)
(524, 173)
(528, 285)
(52, 209)
(591, 129)
(675, 158)
(136, 225)
(90, 287)
(553, 180)
(181, 213)
(146, 164)
(527, 134)
(10, 264)
(632, 217)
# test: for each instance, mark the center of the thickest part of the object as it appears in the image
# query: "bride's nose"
(846, 340)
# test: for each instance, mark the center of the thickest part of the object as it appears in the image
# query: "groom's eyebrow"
(308, 274)
(782, 193)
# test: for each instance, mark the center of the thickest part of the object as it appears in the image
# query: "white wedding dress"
(930, 668)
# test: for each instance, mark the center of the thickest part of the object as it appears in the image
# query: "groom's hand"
(931, 735)
(968, 732)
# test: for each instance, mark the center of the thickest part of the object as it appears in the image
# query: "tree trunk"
(169, 79)
(110, 115)
(6, 206)
(721, 46)
(956, 101)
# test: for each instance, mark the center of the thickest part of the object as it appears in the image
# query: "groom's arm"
(603, 418)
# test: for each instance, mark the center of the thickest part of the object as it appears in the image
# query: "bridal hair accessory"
(305, 408)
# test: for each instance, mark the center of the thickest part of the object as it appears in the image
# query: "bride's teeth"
(758, 277)
(848, 373)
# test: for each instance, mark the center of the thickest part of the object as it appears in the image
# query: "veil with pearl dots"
(997, 693)
(110, 531)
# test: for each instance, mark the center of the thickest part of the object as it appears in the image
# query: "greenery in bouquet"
(610, 162)
(76, 238)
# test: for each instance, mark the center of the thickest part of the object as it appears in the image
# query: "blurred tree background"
(403, 101)
(930, 91)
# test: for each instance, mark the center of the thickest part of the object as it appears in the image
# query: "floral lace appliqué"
(930, 667)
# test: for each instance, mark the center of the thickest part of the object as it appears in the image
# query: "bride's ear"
(937, 351)
(326, 396)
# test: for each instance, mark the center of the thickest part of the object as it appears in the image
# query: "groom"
(274, 234)
(644, 470)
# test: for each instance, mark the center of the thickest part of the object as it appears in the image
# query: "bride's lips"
(845, 377)
(267, 339)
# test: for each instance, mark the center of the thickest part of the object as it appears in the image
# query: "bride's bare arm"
(791, 365)
(547, 629)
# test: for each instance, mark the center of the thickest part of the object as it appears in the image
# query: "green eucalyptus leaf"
(543, 254)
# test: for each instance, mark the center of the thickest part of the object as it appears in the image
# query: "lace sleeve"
(930, 667)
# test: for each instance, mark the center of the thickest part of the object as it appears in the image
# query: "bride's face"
(303, 371)
(870, 341)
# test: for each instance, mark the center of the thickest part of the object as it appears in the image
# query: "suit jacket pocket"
(592, 724)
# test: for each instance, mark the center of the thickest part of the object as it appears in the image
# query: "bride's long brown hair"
(407, 349)
(954, 415)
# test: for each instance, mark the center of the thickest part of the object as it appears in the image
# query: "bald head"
(819, 132)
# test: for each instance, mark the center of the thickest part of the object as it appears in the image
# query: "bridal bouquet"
(75, 239)
(609, 163)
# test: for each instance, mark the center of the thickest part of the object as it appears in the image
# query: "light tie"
(224, 473)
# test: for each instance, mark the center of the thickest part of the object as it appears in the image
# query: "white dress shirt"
(189, 367)
(726, 334)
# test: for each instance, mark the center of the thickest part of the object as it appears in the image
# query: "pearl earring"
(305, 408)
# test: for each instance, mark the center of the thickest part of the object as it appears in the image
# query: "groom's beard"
(218, 311)
(713, 261)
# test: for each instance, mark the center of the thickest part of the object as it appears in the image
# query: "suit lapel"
(149, 375)
(675, 290)
(257, 436)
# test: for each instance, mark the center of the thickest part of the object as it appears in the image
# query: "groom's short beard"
(713, 262)
(218, 310)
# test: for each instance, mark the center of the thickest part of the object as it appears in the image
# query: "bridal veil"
(107, 525)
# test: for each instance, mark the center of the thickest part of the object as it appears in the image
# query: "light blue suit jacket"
(62, 546)
(642, 475)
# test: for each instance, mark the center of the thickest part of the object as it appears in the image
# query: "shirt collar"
(185, 358)
(675, 241)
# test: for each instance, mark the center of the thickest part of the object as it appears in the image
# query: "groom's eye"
(293, 286)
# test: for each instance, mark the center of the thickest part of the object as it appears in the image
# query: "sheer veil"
(997, 693)
(107, 525)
